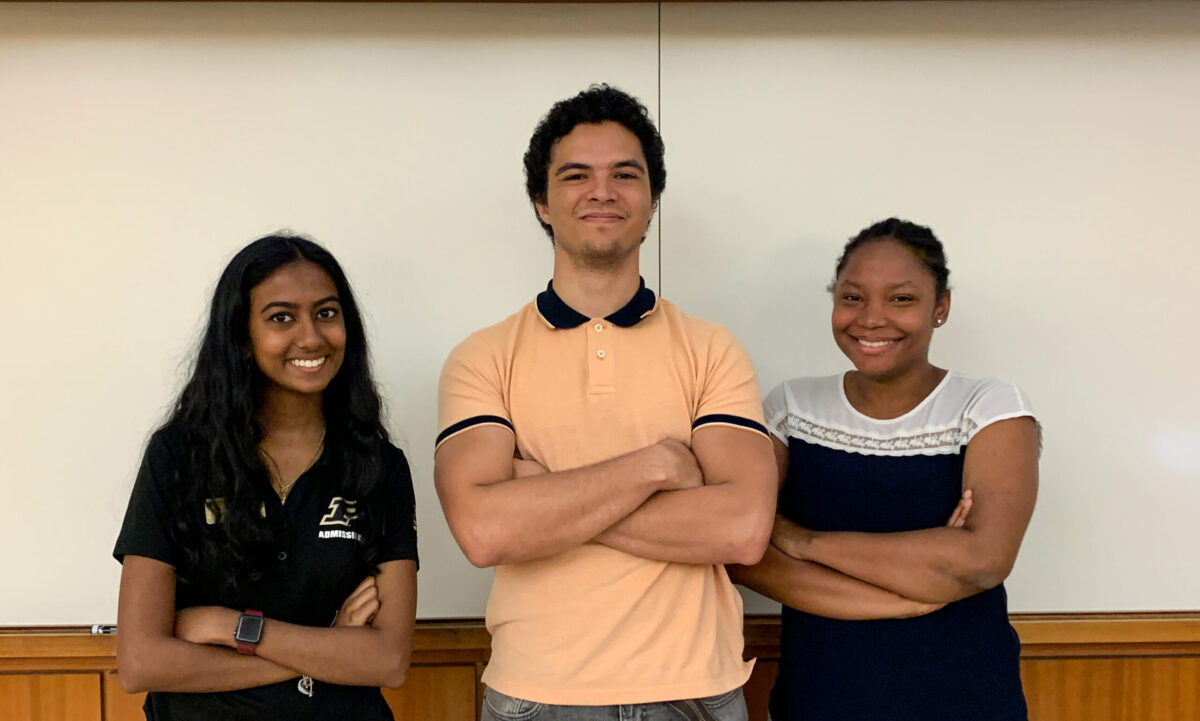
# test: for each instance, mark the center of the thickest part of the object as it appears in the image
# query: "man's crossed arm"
(713, 503)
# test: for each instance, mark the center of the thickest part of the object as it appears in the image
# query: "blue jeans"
(729, 706)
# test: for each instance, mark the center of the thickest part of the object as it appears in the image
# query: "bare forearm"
(171, 664)
(818, 590)
(360, 656)
(727, 520)
(353, 656)
(935, 565)
(524, 519)
(709, 524)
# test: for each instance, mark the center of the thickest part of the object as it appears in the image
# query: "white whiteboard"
(1051, 146)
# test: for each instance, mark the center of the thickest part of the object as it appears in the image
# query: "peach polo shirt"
(594, 625)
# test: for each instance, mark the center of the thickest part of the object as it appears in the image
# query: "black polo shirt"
(317, 562)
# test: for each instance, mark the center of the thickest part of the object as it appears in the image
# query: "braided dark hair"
(917, 238)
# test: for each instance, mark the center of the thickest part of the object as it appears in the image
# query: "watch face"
(249, 629)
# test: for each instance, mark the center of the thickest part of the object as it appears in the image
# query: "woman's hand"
(360, 606)
(791, 538)
(959, 518)
(921, 609)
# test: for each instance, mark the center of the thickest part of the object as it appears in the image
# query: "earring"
(938, 321)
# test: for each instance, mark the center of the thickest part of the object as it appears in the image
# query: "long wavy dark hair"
(215, 420)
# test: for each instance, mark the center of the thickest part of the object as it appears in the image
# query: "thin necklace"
(282, 490)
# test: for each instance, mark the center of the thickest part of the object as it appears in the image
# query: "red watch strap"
(242, 646)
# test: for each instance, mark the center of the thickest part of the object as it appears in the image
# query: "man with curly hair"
(605, 452)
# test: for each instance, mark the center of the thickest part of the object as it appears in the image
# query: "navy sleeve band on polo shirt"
(470, 423)
(724, 419)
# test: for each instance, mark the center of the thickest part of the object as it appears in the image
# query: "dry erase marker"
(103, 628)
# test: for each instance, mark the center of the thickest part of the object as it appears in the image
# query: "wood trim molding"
(1043, 635)
(1051, 635)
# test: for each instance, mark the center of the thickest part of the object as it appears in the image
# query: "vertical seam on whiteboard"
(660, 125)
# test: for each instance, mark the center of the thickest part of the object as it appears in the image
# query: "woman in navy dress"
(905, 492)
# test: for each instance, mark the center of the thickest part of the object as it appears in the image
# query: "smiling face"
(296, 328)
(885, 307)
(598, 198)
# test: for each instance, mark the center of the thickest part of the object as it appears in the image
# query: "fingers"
(690, 475)
(364, 614)
(921, 609)
(360, 613)
(687, 468)
(360, 606)
(366, 583)
(779, 537)
(959, 518)
(672, 465)
(788, 537)
(956, 518)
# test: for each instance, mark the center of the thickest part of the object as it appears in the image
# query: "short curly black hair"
(598, 103)
(917, 238)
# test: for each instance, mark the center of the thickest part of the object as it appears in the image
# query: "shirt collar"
(555, 311)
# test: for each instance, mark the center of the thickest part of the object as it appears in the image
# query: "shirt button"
(283, 555)
(599, 327)
(600, 354)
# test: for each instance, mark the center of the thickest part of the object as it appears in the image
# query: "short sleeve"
(150, 527)
(729, 393)
(995, 400)
(775, 410)
(399, 542)
(470, 391)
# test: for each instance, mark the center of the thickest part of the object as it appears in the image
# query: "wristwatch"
(248, 632)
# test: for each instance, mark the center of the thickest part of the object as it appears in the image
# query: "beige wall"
(1052, 146)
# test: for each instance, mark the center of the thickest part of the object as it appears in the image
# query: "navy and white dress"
(850, 472)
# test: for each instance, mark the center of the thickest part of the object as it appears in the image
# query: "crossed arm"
(889, 575)
(712, 503)
(369, 645)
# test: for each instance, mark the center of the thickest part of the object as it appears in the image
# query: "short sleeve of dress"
(399, 542)
(729, 394)
(470, 391)
(775, 410)
(995, 400)
(150, 527)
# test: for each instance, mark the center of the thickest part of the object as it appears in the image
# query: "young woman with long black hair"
(269, 547)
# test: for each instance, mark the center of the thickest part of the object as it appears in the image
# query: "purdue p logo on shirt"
(341, 512)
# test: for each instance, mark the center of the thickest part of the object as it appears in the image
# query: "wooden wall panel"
(1112, 689)
(435, 693)
(50, 697)
(121, 706)
(758, 688)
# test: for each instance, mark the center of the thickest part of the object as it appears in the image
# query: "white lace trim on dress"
(926, 441)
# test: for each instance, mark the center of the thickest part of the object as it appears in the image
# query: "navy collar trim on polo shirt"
(559, 315)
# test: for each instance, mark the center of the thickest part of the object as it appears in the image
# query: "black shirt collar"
(562, 316)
